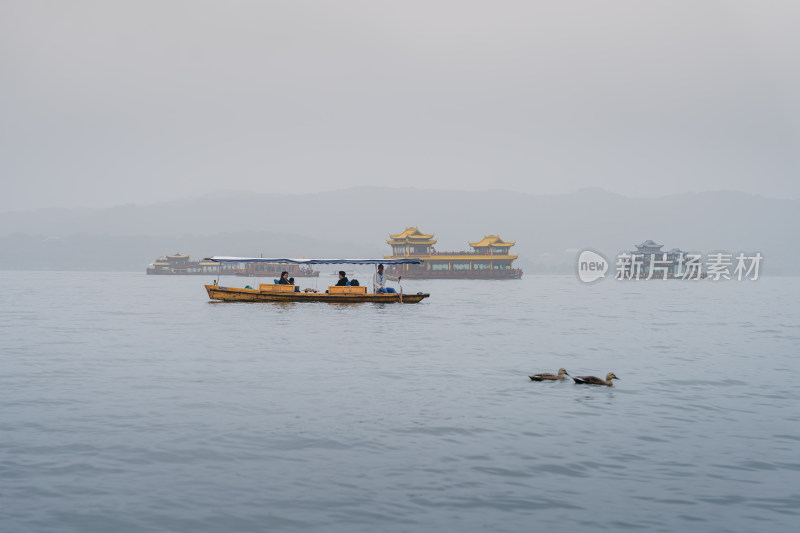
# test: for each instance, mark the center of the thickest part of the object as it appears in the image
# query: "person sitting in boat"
(380, 279)
(343, 281)
(284, 279)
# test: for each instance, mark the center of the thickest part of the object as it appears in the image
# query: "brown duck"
(550, 377)
(591, 380)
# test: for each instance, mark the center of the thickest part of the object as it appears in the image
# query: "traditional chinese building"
(650, 261)
(489, 258)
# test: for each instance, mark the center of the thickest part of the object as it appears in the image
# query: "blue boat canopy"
(225, 259)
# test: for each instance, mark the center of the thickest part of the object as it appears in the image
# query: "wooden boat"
(289, 293)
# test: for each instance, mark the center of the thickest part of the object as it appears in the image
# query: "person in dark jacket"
(284, 279)
(343, 281)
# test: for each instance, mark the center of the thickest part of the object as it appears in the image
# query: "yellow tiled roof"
(492, 240)
(412, 231)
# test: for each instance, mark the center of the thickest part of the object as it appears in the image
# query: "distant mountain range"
(548, 229)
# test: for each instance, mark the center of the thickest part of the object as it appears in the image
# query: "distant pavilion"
(650, 257)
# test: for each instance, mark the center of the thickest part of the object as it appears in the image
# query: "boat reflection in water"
(291, 293)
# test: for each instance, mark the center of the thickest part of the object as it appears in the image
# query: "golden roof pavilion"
(409, 235)
(491, 240)
(411, 242)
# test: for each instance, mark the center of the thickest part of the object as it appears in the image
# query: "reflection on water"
(132, 403)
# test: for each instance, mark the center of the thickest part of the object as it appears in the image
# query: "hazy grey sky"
(104, 102)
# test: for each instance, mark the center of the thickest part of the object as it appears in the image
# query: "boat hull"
(235, 294)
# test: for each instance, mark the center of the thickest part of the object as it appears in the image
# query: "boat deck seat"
(347, 290)
(271, 287)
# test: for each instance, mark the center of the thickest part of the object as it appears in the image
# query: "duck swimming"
(550, 377)
(591, 380)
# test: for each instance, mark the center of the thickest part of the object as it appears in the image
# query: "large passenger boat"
(273, 292)
(178, 264)
(488, 259)
(182, 265)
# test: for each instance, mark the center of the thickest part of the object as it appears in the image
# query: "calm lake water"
(131, 403)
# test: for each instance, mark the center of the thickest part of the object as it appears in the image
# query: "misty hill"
(548, 228)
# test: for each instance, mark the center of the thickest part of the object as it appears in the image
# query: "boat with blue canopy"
(274, 292)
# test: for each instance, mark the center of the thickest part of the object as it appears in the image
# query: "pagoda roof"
(492, 240)
(411, 233)
(649, 244)
(177, 255)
